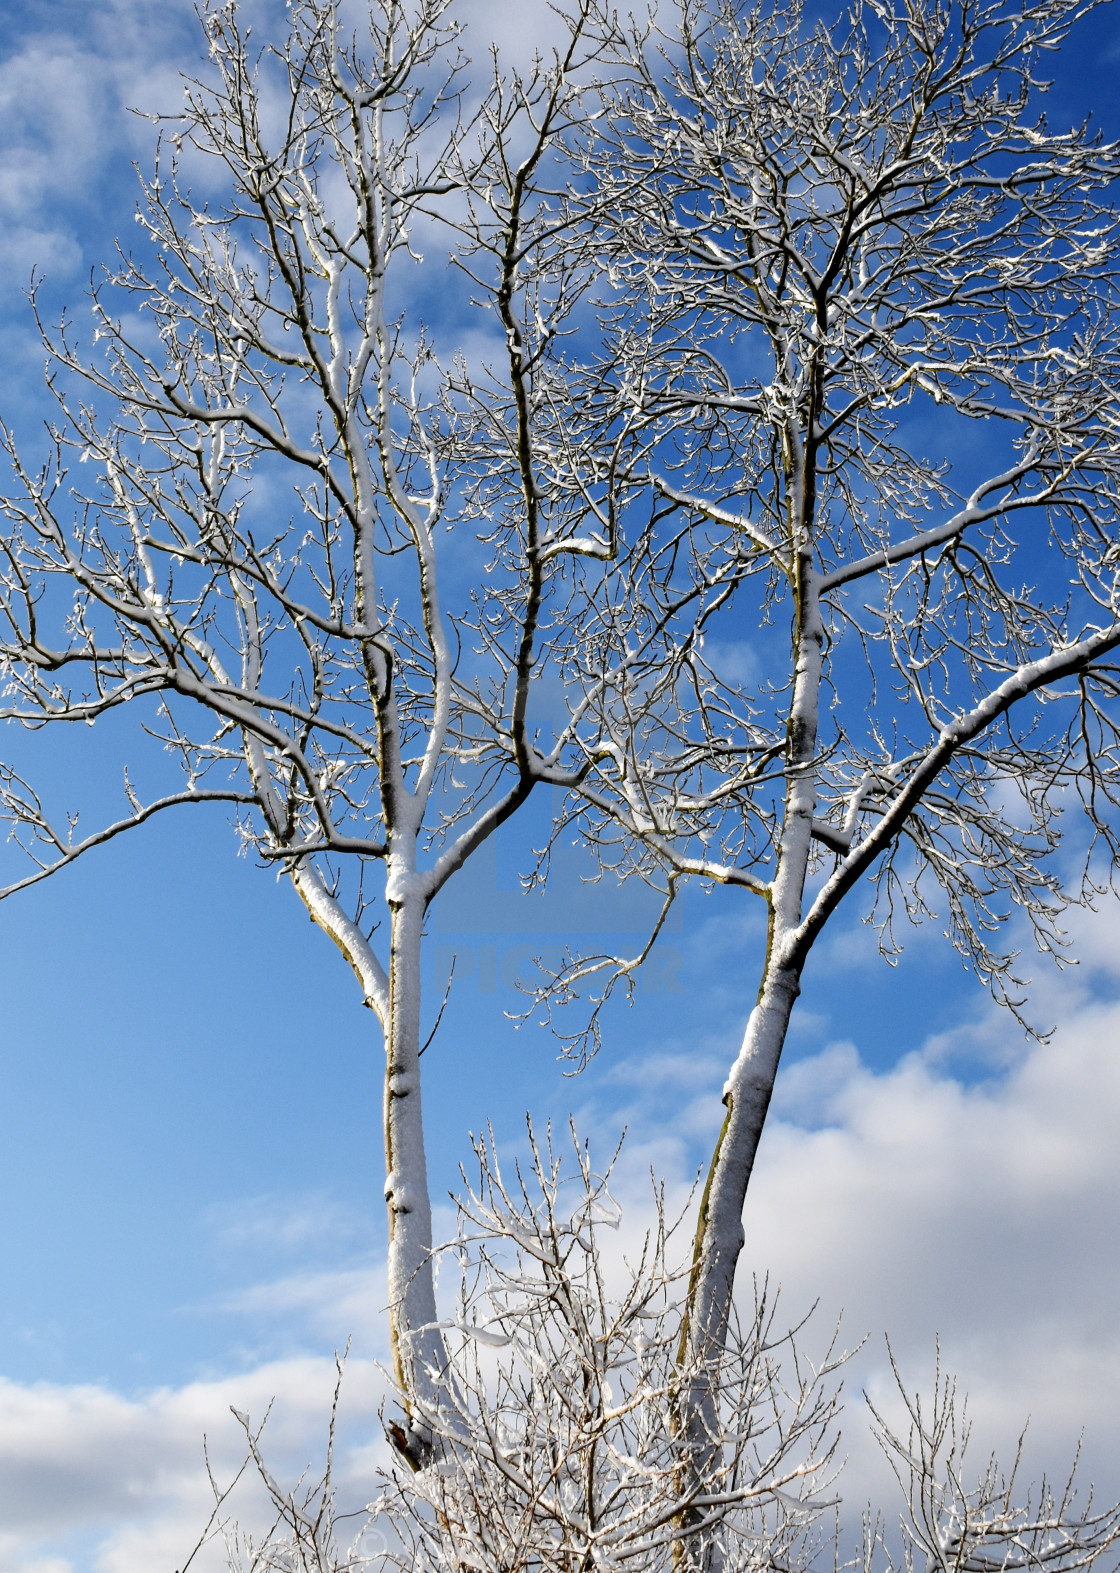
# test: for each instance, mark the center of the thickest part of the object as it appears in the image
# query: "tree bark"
(720, 1236)
(750, 1085)
(417, 1346)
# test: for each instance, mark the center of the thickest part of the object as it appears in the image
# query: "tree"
(859, 313)
(260, 568)
(754, 281)
(560, 1452)
(560, 1447)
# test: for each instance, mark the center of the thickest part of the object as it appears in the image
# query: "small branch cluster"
(559, 1421)
(950, 1526)
(304, 1530)
(560, 1440)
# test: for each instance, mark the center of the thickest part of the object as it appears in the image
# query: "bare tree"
(858, 301)
(562, 1450)
(259, 565)
(559, 1447)
(952, 1526)
(820, 258)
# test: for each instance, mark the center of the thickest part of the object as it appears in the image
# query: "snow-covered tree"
(317, 554)
(782, 511)
(860, 322)
(562, 1449)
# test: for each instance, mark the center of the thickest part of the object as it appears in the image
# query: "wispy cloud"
(282, 1225)
(336, 1305)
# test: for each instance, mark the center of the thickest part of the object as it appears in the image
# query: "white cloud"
(61, 116)
(130, 1473)
(987, 1214)
(520, 32)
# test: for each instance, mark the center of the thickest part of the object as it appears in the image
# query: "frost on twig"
(559, 1417)
(304, 1531)
(957, 1522)
(561, 1443)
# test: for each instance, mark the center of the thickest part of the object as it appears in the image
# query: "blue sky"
(190, 1146)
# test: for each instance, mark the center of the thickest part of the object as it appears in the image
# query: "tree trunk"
(719, 1237)
(417, 1347)
(750, 1085)
(747, 1093)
